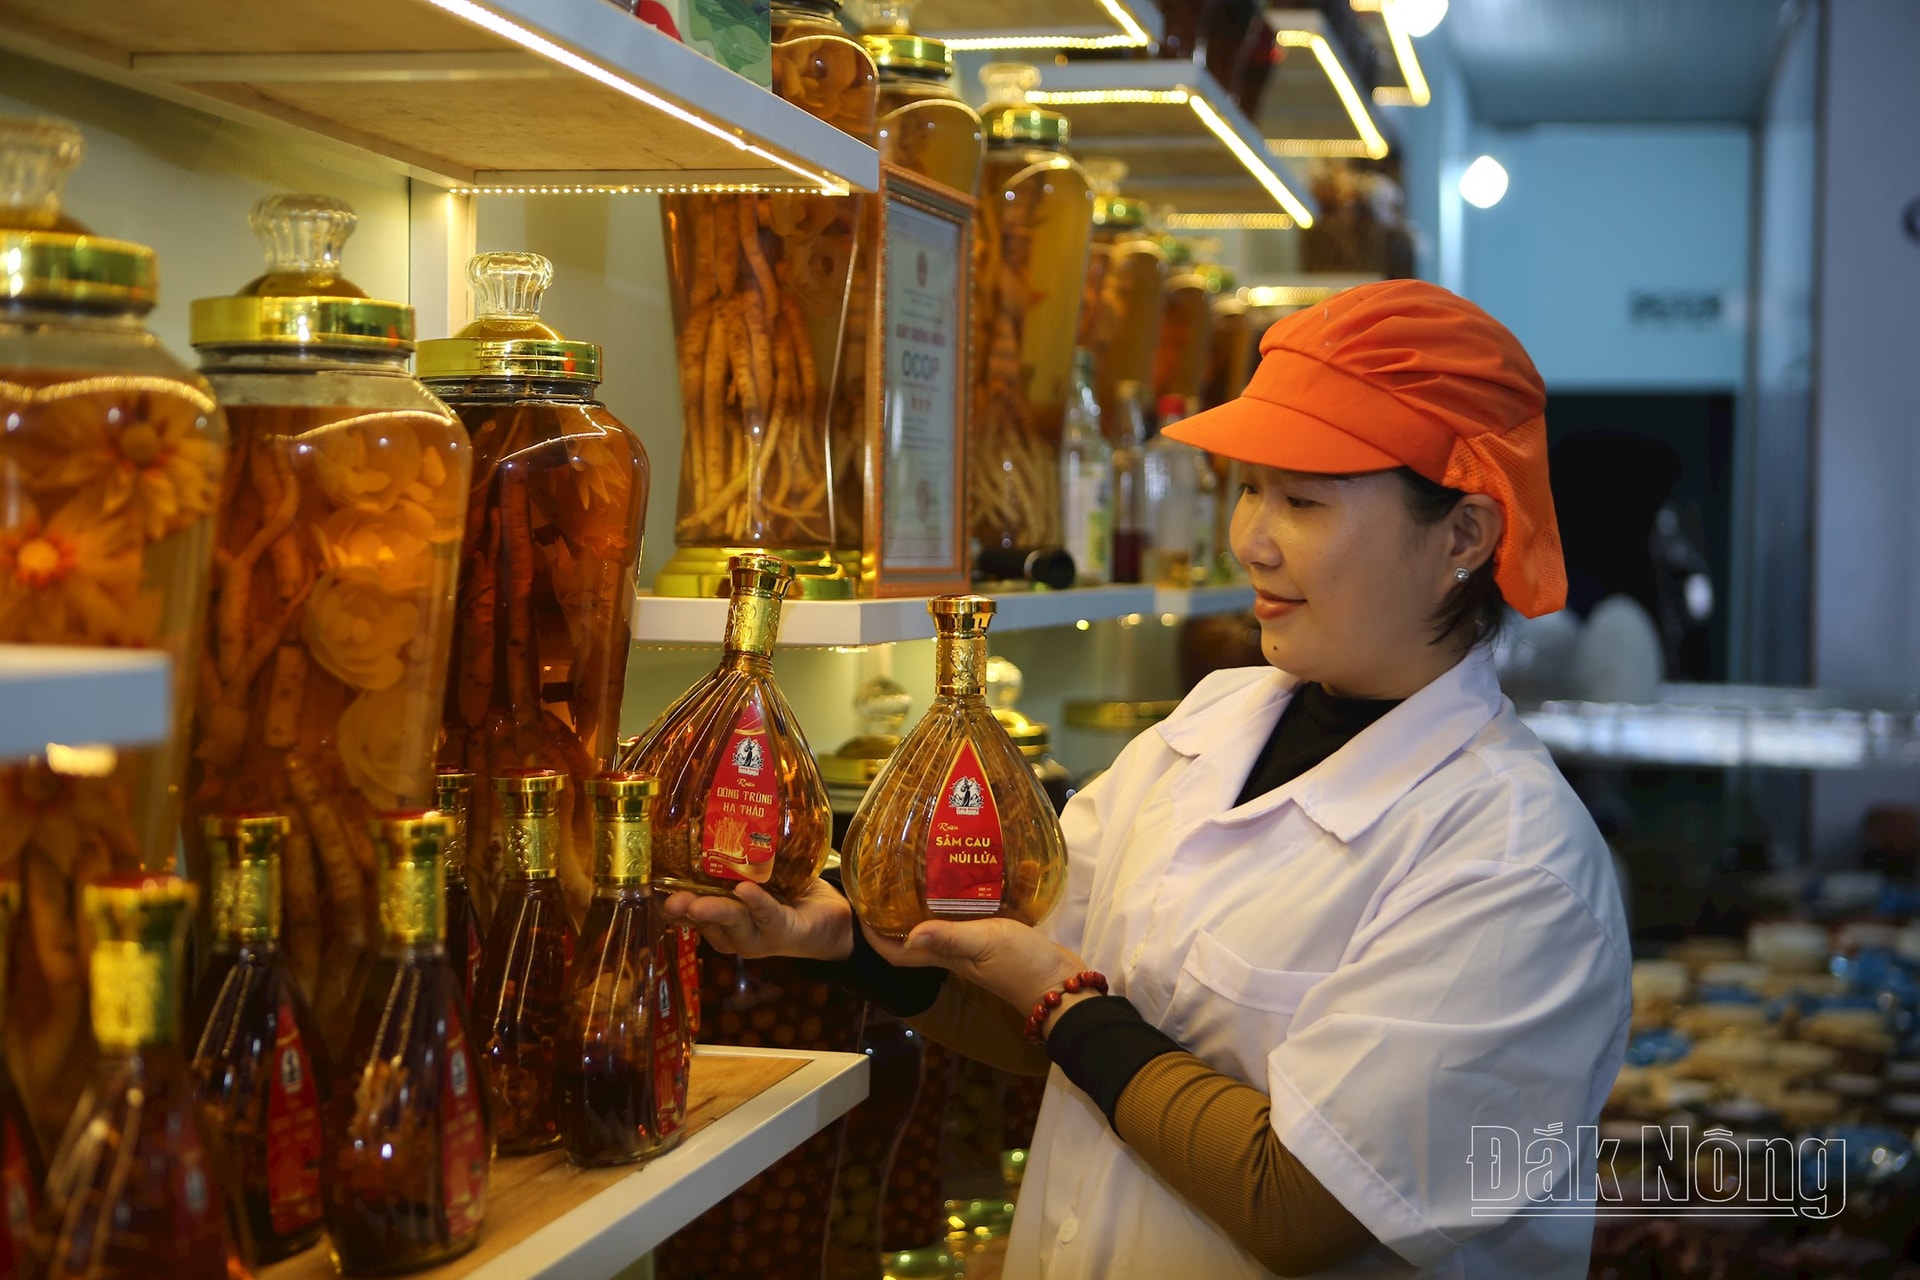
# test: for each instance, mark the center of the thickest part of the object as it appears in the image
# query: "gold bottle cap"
(507, 338)
(245, 866)
(46, 257)
(302, 301)
(1010, 118)
(534, 788)
(138, 923)
(961, 616)
(409, 875)
(1004, 683)
(627, 797)
(753, 574)
(527, 821)
(1111, 209)
(451, 787)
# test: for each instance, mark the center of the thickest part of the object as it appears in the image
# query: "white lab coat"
(1420, 935)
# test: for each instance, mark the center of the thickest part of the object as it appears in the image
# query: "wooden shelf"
(547, 1220)
(1021, 24)
(465, 93)
(1184, 140)
(81, 696)
(1313, 104)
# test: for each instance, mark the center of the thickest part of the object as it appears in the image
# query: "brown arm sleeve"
(981, 1026)
(1210, 1137)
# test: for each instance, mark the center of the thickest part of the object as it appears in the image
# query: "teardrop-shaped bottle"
(408, 1134)
(466, 936)
(258, 1065)
(23, 1170)
(742, 796)
(623, 1063)
(138, 1188)
(956, 826)
(519, 995)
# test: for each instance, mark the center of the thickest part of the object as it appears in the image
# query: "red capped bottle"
(258, 1065)
(408, 1134)
(466, 936)
(23, 1170)
(138, 1187)
(623, 1066)
(519, 995)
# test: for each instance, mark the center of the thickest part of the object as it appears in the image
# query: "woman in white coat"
(1365, 967)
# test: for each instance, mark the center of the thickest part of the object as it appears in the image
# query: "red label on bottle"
(293, 1130)
(689, 956)
(19, 1201)
(741, 826)
(669, 1053)
(965, 855)
(463, 1137)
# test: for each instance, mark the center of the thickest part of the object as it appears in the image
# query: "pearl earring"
(1462, 574)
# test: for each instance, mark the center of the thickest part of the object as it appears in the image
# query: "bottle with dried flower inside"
(760, 286)
(1030, 261)
(466, 936)
(325, 652)
(742, 797)
(622, 1073)
(407, 1130)
(138, 1188)
(113, 455)
(549, 557)
(258, 1066)
(956, 826)
(23, 1171)
(519, 995)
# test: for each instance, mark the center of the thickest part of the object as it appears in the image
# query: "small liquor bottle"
(408, 1134)
(519, 995)
(741, 795)
(956, 826)
(258, 1065)
(622, 1071)
(466, 937)
(22, 1169)
(137, 1188)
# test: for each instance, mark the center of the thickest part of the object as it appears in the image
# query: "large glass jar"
(1034, 739)
(1120, 306)
(332, 607)
(760, 291)
(553, 531)
(1030, 259)
(110, 461)
(1180, 359)
(921, 125)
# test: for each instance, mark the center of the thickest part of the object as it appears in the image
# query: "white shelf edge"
(75, 696)
(665, 620)
(608, 1233)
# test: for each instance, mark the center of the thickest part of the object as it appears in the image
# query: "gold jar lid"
(920, 56)
(507, 338)
(46, 258)
(1111, 209)
(302, 301)
(1009, 117)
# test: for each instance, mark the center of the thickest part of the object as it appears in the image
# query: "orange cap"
(1405, 374)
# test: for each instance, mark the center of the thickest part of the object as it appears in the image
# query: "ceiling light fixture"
(1418, 17)
(1484, 183)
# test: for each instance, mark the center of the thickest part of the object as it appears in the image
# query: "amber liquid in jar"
(742, 798)
(519, 996)
(1180, 360)
(1030, 258)
(622, 1073)
(956, 826)
(408, 1133)
(760, 288)
(137, 1189)
(548, 558)
(258, 1065)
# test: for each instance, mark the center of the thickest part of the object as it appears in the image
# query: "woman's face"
(1347, 582)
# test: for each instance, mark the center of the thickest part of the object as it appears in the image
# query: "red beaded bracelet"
(1046, 1004)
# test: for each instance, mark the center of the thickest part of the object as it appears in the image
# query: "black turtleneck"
(1314, 726)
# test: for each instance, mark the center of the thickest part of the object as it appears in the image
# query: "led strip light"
(1130, 36)
(546, 48)
(1251, 161)
(1415, 92)
(1230, 222)
(1372, 142)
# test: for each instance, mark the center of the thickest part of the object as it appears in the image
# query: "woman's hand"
(753, 923)
(1012, 960)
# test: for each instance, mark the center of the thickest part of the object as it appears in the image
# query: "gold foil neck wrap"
(528, 822)
(245, 868)
(138, 924)
(453, 796)
(623, 829)
(408, 865)
(753, 624)
(960, 642)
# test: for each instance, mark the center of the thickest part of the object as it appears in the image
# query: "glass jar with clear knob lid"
(760, 286)
(1126, 274)
(1030, 259)
(1035, 741)
(111, 455)
(325, 653)
(880, 708)
(548, 562)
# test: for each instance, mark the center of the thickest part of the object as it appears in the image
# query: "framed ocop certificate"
(917, 389)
